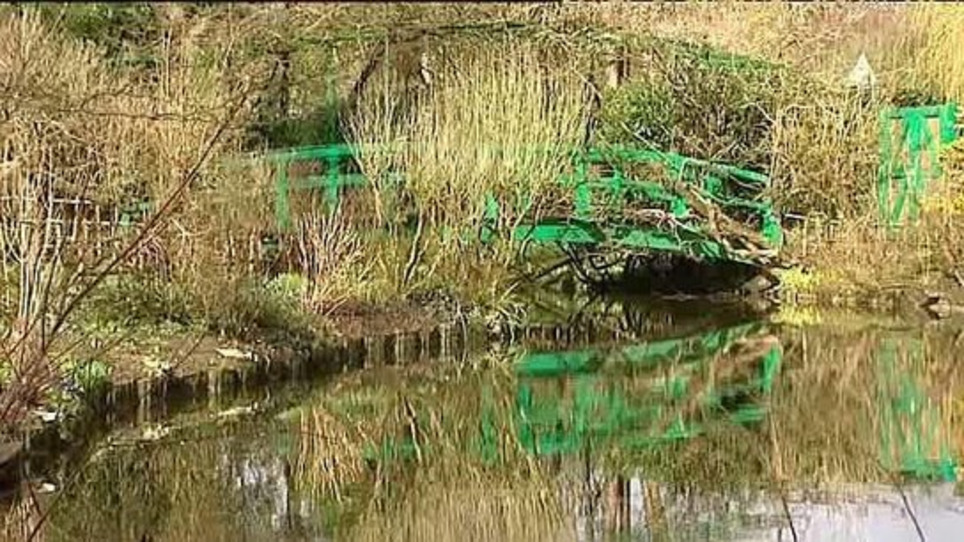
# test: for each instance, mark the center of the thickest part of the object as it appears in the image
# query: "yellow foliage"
(797, 316)
(797, 280)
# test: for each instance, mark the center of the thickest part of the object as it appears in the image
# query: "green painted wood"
(902, 183)
(599, 201)
(282, 203)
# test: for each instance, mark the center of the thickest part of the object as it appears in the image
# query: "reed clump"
(937, 39)
(497, 125)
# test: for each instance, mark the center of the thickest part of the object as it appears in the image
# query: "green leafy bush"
(124, 29)
(140, 299)
(696, 101)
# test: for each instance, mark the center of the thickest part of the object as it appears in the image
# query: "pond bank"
(204, 368)
(937, 297)
(406, 326)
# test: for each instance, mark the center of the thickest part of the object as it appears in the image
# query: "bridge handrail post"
(282, 201)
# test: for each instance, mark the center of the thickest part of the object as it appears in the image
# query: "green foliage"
(140, 299)
(699, 102)
(147, 304)
(288, 287)
(918, 95)
(123, 29)
(639, 112)
(301, 105)
(316, 128)
(87, 376)
(253, 306)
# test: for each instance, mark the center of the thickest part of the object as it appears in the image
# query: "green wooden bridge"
(696, 208)
(705, 210)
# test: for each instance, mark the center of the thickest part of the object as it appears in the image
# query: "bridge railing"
(911, 142)
(735, 191)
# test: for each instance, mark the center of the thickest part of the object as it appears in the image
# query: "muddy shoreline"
(407, 331)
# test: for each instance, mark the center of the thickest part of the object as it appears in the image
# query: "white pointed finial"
(862, 76)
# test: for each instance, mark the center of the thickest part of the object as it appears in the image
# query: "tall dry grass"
(474, 128)
(500, 123)
(824, 158)
(936, 59)
(859, 257)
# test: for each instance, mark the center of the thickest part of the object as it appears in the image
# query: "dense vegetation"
(114, 114)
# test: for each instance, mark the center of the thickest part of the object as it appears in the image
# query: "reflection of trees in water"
(834, 410)
(827, 421)
(828, 412)
(843, 393)
(430, 493)
(22, 518)
(833, 416)
(226, 488)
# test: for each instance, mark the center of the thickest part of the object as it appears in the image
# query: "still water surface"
(675, 424)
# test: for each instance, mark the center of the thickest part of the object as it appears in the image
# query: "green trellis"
(911, 140)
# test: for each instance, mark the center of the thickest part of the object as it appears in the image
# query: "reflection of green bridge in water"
(599, 412)
(911, 439)
(569, 401)
(706, 210)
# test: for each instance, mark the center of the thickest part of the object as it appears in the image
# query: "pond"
(628, 422)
